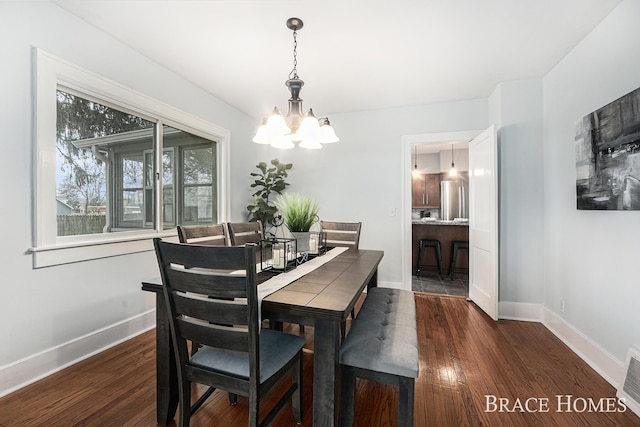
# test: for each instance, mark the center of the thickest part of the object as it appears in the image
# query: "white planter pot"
(302, 240)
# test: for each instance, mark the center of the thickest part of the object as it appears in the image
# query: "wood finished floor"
(463, 357)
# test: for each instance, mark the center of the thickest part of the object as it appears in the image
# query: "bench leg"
(347, 396)
(405, 402)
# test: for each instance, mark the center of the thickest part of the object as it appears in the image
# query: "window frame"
(52, 73)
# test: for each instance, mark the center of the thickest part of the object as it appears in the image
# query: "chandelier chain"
(294, 73)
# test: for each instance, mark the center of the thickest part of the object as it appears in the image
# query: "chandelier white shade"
(284, 131)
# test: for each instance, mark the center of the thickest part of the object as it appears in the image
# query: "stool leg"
(420, 253)
(454, 257)
(439, 259)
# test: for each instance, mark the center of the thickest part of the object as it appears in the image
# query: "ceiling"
(353, 55)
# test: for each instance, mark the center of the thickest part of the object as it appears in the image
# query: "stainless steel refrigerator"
(454, 195)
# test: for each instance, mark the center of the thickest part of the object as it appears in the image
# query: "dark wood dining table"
(322, 298)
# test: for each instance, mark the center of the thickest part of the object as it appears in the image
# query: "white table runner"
(281, 280)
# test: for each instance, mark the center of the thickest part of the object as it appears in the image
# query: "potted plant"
(269, 180)
(299, 213)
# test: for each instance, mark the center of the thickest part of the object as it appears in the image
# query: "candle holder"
(278, 254)
(317, 243)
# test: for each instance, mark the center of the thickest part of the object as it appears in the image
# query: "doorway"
(427, 155)
(483, 246)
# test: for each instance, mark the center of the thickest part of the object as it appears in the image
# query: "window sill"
(78, 250)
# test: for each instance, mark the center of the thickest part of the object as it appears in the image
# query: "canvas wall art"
(607, 145)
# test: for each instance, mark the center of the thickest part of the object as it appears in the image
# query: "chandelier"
(283, 131)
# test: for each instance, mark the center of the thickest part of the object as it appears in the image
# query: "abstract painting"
(607, 145)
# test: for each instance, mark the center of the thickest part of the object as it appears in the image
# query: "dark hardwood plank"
(463, 357)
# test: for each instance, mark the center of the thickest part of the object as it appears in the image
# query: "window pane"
(133, 204)
(95, 144)
(198, 165)
(167, 167)
(193, 172)
(167, 202)
(132, 172)
(198, 205)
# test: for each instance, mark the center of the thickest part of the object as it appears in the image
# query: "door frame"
(407, 144)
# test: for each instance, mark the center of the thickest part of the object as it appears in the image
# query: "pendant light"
(283, 131)
(415, 172)
(452, 171)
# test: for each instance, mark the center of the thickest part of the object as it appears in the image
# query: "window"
(126, 168)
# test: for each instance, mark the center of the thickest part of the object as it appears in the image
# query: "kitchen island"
(446, 232)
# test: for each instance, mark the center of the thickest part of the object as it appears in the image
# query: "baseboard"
(607, 366)
(526, 312)
(33, 368)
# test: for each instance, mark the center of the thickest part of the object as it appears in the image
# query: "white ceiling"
(353, 55)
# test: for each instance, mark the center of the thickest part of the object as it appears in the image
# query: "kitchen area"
(440, 218)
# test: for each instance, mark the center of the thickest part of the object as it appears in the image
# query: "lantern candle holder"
(278, 254)
(317, 243)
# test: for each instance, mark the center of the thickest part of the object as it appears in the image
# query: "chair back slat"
(216, 283)
(206, 257)
(213, 234)
(241, 233)
(224, 312)
(220, 336)
(341, 233)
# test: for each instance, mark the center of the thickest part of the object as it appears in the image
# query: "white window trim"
(49, 249)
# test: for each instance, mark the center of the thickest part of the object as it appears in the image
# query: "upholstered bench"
(382, 346)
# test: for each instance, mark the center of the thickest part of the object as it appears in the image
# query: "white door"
(483, 222)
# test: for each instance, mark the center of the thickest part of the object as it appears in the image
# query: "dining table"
(322, 297)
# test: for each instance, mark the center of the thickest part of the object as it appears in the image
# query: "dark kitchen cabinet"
(425, 191)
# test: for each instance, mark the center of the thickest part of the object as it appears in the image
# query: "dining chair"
(212, 234)
(242, 359)
(241, 233)
(341, 233)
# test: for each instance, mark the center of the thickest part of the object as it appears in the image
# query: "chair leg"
(233, 398)
(296, 398)
(405, 402)
(347, 397)
(185, 404)
(254, 411)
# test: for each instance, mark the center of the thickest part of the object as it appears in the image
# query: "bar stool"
(429, 243)
(457, 245)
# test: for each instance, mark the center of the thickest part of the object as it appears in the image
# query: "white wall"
(518, 115)
(427, 163)
(591, 257)
(460, 159)
(48, 314)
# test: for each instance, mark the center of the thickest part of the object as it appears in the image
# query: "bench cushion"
(383, 337)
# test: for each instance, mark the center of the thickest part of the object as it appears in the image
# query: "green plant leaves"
(299, 211)
(269, 180)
